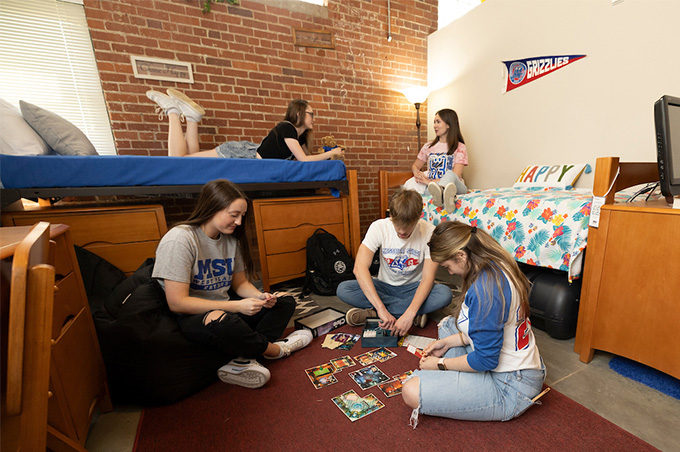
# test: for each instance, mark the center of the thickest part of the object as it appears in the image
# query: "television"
(667, 121)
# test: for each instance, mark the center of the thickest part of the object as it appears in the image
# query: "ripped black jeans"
(239, 334)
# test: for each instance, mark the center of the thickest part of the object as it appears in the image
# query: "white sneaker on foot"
(437, 194)
(244, 372)
(450, 192)
(293, 342)
(358, 316)
(166, 104)
(420, 320)
(190, 109)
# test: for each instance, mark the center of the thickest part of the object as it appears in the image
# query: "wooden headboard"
(387, 180)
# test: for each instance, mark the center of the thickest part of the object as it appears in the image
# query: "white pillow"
(62, 136)
(16, 135)
(558, 176)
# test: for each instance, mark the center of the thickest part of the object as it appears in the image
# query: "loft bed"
(55, 176)
(295, 183)
(546, 231)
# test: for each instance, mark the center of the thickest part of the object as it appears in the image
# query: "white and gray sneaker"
(293, 342)
(450, 192)
(190, 109)
(358, 316)
(244, 372)
(166, 104)
(437, 194)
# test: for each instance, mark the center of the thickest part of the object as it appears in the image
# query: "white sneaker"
(293, 342)
(420, 320)
(166, 104)
(437, 194)
(358, 316)
(244, 372)
(450, 192)
(190, 109)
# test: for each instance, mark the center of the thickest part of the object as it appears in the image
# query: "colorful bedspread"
(546, 227)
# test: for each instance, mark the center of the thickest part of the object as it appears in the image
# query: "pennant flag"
(520, 72)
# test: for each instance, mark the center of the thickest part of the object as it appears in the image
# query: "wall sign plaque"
(313, 38)
(159, 69)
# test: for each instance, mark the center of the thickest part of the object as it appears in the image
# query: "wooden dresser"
(123, 235)
(78, 382)
(283, 226)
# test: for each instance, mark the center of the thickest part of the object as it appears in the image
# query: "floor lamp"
(416, 95)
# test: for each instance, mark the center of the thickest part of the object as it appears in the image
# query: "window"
(317, 2)
(46, 59)
(450, 10)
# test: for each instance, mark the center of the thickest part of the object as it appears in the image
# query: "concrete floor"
(638, 409)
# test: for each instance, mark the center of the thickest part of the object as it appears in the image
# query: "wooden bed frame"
(127, 235)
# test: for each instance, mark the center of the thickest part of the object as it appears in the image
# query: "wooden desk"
(77, 375)
(630, 303)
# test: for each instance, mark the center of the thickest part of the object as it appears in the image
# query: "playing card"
(355, 407)
(368, 377)
(342, 362)
(366, 358)
(322, 375)
(383, 354)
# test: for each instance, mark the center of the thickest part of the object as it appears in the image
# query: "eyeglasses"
(310, 113)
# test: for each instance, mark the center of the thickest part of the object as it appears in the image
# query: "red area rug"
(290, 414)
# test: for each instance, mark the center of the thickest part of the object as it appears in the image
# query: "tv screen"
(667, 122)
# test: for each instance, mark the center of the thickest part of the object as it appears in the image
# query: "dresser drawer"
(67, 303)
(106, 227)
(287, 240)
(62, 260)
(127, 256)
(80, 380)
(288, 215)
(287, 264)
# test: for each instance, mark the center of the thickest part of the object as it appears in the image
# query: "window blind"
(47, 59)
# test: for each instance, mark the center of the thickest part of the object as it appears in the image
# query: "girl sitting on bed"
(287, 140)
(485, 365)
(198, 261)
(445, 157)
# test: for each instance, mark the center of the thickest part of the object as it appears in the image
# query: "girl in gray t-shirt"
(199, 262)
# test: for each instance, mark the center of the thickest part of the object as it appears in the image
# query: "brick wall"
(246, 70)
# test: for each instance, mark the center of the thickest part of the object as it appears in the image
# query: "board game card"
(391, 388)
(368, 377)
(342, 362)
(349, 343)
(404, 376)
(416, 351)
(366, 358)
(322, 375)
(355, 407)
(382, 354)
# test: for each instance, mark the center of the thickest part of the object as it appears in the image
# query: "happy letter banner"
(520, 72)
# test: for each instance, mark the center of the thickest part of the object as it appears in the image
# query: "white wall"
(598, 106)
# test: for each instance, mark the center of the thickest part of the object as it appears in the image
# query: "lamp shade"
(416, 94)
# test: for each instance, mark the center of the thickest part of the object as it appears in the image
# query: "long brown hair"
(295, 114)
(453, 136)
(485, 255)
(215, 196)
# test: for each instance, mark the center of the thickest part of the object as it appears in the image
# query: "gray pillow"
(16, 136)
(60, 135)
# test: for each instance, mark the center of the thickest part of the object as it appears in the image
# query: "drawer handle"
(67, 322)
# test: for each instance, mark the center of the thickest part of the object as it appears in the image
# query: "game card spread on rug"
(394, 386)
(378, 355)
(356, 407)
(322, 375)
(368, 377)
(342, 362)
(342, 341)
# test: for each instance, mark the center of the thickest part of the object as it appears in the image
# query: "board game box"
(321, 322)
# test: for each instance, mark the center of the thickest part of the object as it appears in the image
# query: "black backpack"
(328, 263)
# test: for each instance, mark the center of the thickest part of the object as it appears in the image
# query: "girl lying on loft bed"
(287, 140)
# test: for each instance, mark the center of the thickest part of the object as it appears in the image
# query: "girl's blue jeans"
(476, 396)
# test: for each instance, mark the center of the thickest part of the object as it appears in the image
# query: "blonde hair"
(406, 207)
(485, 255)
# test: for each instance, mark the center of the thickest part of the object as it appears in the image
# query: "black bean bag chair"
(148, 359)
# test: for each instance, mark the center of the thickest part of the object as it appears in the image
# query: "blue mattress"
(49, 171)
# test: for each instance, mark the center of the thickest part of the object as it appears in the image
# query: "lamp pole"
(418, 123)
